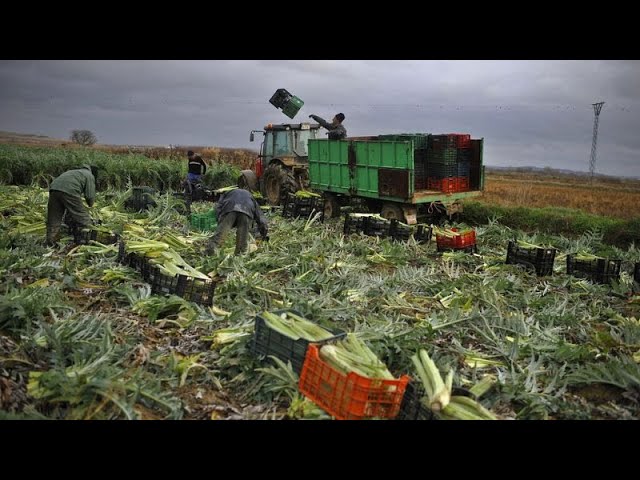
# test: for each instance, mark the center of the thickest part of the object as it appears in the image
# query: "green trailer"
(382, 172)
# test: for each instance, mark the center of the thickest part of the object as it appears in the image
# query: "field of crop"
(83, 337)
(238, 157)
(20, 165)
(607, 197)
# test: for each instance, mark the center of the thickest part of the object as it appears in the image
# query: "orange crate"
(463, 140)
(448, 184)
(464, 240)
(351, 396)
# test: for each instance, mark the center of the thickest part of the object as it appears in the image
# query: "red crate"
(450, 140)
(350, 396)
(463, 184)
(448, 184)
(463, 140)
(464, 240)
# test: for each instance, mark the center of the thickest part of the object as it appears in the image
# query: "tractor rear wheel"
(278, 180)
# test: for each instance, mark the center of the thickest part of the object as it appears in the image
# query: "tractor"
(282, 165)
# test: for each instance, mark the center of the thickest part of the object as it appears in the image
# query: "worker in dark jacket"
(237, 208)
(65, 198)
(197, 167)
(336, 129)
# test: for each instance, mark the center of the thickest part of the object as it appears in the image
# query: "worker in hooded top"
(237, 208)
(336, 129)
(65, 200)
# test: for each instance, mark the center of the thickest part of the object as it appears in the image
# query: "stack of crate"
(449, 162)
(345, 396)
(420, 168)
(296, 206)
(420, 145)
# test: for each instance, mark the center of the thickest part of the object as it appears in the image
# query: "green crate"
(204, 221)
(292, 107)
(419, 140)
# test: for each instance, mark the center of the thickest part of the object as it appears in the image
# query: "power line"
(110, 103)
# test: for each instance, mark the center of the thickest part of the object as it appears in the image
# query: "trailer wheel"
(392, 211)
(331, 206)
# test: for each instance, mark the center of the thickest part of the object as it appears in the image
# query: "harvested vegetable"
(295, 327)
(352, 355)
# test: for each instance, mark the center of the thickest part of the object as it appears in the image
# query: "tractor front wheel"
(248, 180)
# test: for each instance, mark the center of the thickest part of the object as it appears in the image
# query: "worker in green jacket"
(65, 197)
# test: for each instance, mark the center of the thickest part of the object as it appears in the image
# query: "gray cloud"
(529, 112)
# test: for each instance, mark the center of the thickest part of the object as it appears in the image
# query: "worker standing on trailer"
(65, 196)
(237, 208)
(336, 129)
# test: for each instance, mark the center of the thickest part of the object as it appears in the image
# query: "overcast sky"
(535, 113)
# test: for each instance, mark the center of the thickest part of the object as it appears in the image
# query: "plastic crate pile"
(376, 226)
(420, 145)
(460, 241)
(296, 206)
(539, 260)
(203, 222)
(420, 168)
(195, 290)
(344, 396)
(448, 163)
(267, 341)
(599, 270)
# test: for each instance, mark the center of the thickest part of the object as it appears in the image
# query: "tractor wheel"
(278, 181)
(392, 211)
(248, 180)
(331, 206)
